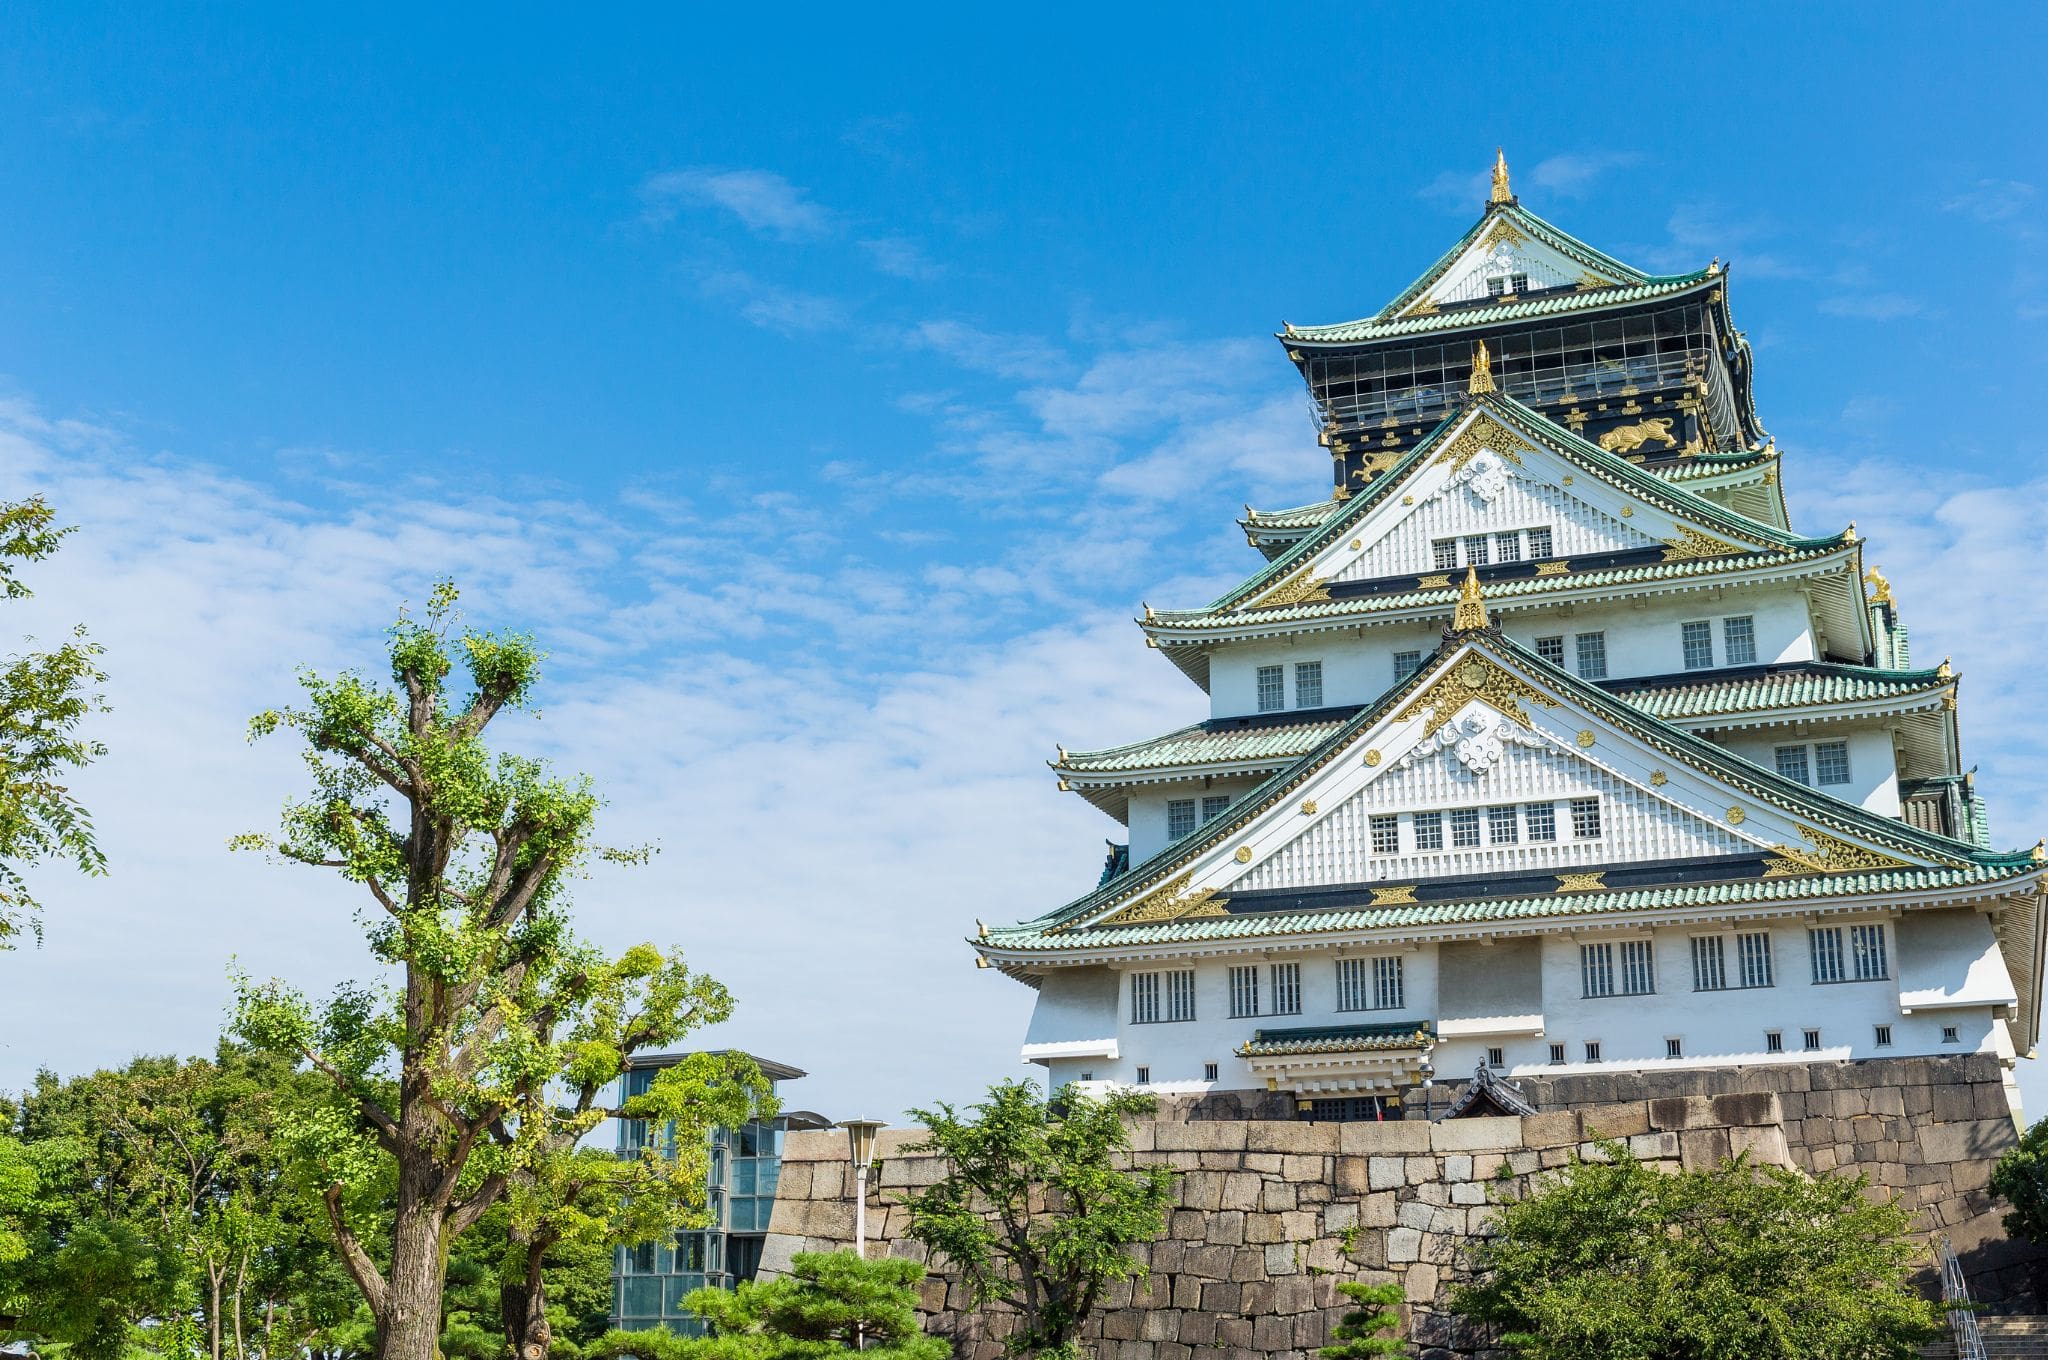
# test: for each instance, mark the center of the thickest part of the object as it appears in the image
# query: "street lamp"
(860, 1140)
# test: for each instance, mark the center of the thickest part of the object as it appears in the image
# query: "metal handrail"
(1955, 1297)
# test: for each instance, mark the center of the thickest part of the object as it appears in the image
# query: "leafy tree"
(441, 1075)
(1358, 1335)
(44, 698)
(1034, 1210)
(1616, 1259)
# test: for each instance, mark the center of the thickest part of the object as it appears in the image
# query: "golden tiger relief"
(1629, 438)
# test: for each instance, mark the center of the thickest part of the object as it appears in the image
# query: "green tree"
(1617, 1259)
(440, 1074)
(45, 697)
(1034, 1210)
(1358, 1335)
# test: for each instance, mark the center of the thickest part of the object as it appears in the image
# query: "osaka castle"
(1546, 746)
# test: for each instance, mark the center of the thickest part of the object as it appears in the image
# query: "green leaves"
(1617, 1259)
(1358, 1336)
(2021, 1179)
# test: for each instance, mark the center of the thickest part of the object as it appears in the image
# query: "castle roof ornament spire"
(1470, 615)
(1482, 370)
(1501, 192)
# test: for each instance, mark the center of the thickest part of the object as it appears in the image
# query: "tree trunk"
(241, 1279)
(523, 1304)
(213, 1279)
(409, 1325)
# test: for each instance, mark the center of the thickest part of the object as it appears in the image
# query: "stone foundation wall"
(1267, 1204)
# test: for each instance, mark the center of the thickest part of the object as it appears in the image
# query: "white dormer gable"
(1505, 259)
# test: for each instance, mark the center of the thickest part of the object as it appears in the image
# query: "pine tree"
(1358, 1335)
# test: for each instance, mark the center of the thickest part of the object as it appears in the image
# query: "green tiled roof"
(1196, 744)
(1701, 466)
(1033, 936)
(1274, 1043)
(1299, 517)
(1350, 332)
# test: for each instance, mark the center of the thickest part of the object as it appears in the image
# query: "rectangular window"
(1592, 1050)
(1369, 984)
(1754, 950)
(1774, 1041)
(1882, 1036)
(1825, 946)
(1157, 997)
(1215, 805)
(1180, 817)
(1539, 542)
(1831, 762)
(1791, 762)
(1429, 831)
(1557, 1055)
(1592, 655)
(1551, 649)
(1674, 1048)
(1308, 684)
(1698, 642)
(1541, 819)
(1244, 991)
(1738, 640)
(1496, 1057)
(1475, 550)
(1386, 834)
(1638, 968)
(1406, 664)
(1867, 953)
(1813, 1041)
(1464, 827)
(1352, 984)
(1596, 969)
(1272, 688)
(1208, 1071)
(1287, 989)
(1507, 547)
(1144, 1076)
(1180, 995)
(1709, 973)
(1502, 827)
(1144, 998)
(1949, 1035)
(1586, 819)
(1386, 983)
(1444, 554)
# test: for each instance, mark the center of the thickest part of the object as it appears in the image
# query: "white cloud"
(786, 311)
(1994, 200)
(763, 201)
(994, 353)
(902, 258)
(1872, 306)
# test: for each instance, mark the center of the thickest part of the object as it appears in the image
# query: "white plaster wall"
(1148, 808)
(1949, 959)
(1075, 1005)
(1873, 765)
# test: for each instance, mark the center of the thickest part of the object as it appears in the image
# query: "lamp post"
(860, 1141)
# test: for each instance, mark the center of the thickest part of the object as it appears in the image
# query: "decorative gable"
(1505, 260)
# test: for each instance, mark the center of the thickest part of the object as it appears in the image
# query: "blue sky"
(827, 391)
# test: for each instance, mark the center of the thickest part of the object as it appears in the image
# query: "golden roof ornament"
(1470, 615)
(1880, 588)
(1945, 670)
(1501, 192)
(1482, 370)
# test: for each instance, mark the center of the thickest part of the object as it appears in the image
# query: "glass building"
(651, 1280)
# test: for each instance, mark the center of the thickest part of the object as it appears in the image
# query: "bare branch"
(360, 1267)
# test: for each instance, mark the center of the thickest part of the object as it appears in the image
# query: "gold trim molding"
(1477, 677)
(1576, 883)
(1825, 854)
(1304, 587)
(1393, 897)
(1691, 544)
(1170, 901)
(1483, 433)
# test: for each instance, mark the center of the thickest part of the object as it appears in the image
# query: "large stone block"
(1704, 1149)
(1552, 1128)
(1750, 1109)
(1765, 1146)
(1614, 1121)
(1211, 1136)
(1404, 1245)
(1962, 1141)
(1383, 1138)
(1681, 1112)
(1497, 1133)
(1225, 1228)
(1387, 1173)
(1272, 1135)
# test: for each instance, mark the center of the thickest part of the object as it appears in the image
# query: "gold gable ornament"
(1691, 544)
(1170, 901)
(1825, 854)
(1470, 615)
(1501, 193)
(1482, 371)
(1483, 433)
(1303, 587)
(1477, 677)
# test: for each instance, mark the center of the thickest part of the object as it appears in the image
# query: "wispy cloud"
(786, 311)
(981, 351)
(1700, 231)
(1569, 175)
(900, 257)
(1994, 200)
(763, 201)
(1872, 306)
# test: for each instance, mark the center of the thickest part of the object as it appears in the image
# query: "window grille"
(1882, 1036)
(1950, 1034)
(1867, 953)
(1738, 639)
(1157, 997)
(1539, 542)
(1180, 817)
(1429, 831)
(1287, 989)
(1774, 1041)
(1586, 818)
(1831, 762)
(1674, 1048)
(1244, 991)
(1475, 550)
(1754, 950)
(1272, 689)
(1541, 819)
(1406, 664)
(1813, 1041)
(1592, 1050)
(1507, 547)
(1208, 1071)
(1369, 984)
(1638, 968)
(1551, 649)
(1308, 684)
(1386, 834)
(1825, 946)
(1464, 827)
(1596, 969)
(1557, 1055)
(1592, 655)
(1180, 995)
(1214, 806)
(1386, 983)
(1791, 762)
(1708, 971)
(1144, 1076)
(1502, 828)
(1444, 554)
(1496, 1057)
(1351, 985)
(1698, 641)
(1144, 998)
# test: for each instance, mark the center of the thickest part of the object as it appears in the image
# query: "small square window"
(1386, 834)
(1883, 1036)
(1539, 542)
(1551, 649)
(1215, 805)
(1592, 1050)
(1774, 1041)
(1308, 684)
(1557, 1055)
(1831, 762)
(1208, 1071)
(1272, 688)
(1087, 1076)
(1507, 547)
(1429, 830)
(1406, 664)
(1698, 642)
(1949, 1035)
(1541, 819)
(1586, 818)
(1496, 1057)
(1813, 1041)
(1502, 826)
(1674, 1048)
(1791, 763)
(1180, 817)
(1475, 550)
(1144, 1076)
(1444, 554)
(1738, 640)
(1592, 655)
(1464, 827)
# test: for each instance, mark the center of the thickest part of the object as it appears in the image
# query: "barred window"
(1429, 831)
(1551, 649)
(1352, 985)
(1244, 991)
(1951, 1034)
(1709, 972)
(1738, 639)
(1287, 989)
(1698, 641)
(1180, 995)
(1406, 664)
(1596, 969)
(1539, 542)
(1592, 655)
(1180, 817)
(1754, 950)
(1882, 1038)
(1541, 819)
(1774, 1041)
(1369, 984)
(1813, 1041)
(1144, 998)
(1831, 762)
(1586, 818)
(1144, 1075)
(1674, 1048)
(1464, 827)
(1272, 688)
(1501, 826)
(1791, 762)
(1867, 953)
(1386, 834)
(1444, 553)
(1308, 684)
(1507, 547)
(1825, 945)
(1386, 983)
(1638, 968)
(1215, 805)
(1475, 550)
(1208, 1071)
(1157, 997)
(1592, 1050)
(1557, 1055)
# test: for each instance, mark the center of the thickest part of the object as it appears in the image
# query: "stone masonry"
(1273, 1213)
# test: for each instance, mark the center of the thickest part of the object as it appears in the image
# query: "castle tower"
(1543, 745)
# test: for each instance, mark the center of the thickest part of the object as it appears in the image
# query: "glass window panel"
(1475, 550)
(1539, 542)
(1698, 641)
(1406, 664)
(1214, 806)
(1464, 826)
(1586, 818)
(1429, 830)
(1502, 825)
(1507, 547)
(1592, 655)
(1308, 684)
(1272, 688)
(1738, 640)
(1180, 817)
(1791, 761)
(1386, 834)
(1541, 819)
(1831, 762)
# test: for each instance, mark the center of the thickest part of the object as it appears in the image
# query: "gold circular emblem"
(1586, 739)
(1244, 854)
(1372, 757)
(1472, 675)
(1407, 500)
(1356, 545)
(1736, 816)
(1568, 480)
(1659, 779)
(1628, 511)
(1308, 807)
